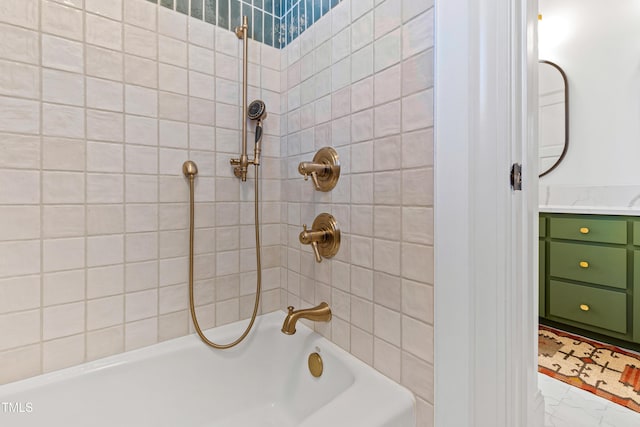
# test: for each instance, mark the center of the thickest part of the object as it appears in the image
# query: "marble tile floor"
(568, 406)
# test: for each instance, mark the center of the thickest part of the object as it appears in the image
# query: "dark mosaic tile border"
(272, 22)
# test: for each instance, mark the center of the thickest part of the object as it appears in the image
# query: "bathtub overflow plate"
(315, 364)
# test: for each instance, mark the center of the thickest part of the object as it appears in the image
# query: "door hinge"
(516, 177)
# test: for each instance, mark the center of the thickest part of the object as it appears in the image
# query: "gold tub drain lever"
(315, 364)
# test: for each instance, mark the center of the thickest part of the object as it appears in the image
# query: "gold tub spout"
(321, 313)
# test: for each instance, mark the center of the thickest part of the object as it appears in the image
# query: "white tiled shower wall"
(361, 80)
(101, 101)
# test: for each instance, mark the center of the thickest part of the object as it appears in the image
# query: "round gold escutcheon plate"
(315, 364)
(328, 157)
(327, 223)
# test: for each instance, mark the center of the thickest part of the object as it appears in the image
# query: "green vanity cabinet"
(541, 265)
(590, 273)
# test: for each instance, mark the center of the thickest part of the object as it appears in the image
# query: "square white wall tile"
(105, 126)
(417, 35)
(140, 334)
(63, 221)
(19, 116)
(19, 44)
(105, 342)
(63, 352)
(111, 9)
(103, 63)
(141, 130)
(140, 42)
(62, 120)
(19, 222)
(21, 187)
(105, 219)
(103, 32)
(23, 13)
(63, 254)
(63, 287)
(19, 293)
(172, 24)
(19, 80)
(62, 20)
(105, 312)
(63, 187)
(20, 151)
(26, 362)
(388, 17)
(105, 281)
(19, 329)
(63, 320)
(140, 13)
(105, 250)
(141, 101)
(105, 95)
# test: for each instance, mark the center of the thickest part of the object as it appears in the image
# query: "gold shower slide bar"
(242, 164)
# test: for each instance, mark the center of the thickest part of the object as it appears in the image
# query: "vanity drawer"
(594, 264)
(590, 306)
(589, 230)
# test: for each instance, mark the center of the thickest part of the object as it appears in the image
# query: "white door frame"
(485, 234)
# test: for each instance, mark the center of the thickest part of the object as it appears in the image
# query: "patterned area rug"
(602, 369)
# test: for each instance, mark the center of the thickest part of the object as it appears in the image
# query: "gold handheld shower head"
(257, 110)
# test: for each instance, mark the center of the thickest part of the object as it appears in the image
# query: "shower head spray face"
(257, 110)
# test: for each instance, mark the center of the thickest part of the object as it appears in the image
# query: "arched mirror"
(553, 116)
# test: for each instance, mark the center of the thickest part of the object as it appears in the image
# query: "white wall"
(596, 43)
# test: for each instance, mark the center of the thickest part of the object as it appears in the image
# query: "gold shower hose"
(190, 170)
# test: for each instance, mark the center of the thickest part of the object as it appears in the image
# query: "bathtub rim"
(364, 374)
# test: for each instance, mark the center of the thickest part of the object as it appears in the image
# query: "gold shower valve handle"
(316, 251)
(324, 236)
(314, 178)
(324, 169)
(311, 238)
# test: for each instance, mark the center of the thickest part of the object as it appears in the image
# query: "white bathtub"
(262, 382)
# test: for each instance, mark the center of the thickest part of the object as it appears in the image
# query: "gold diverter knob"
(324, 236)
(584, 307)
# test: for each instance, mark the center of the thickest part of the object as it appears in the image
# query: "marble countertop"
(593, 200)
(591, 210)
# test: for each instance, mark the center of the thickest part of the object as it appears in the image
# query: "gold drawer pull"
(584, 230)
(584, 264)
(584, 307)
